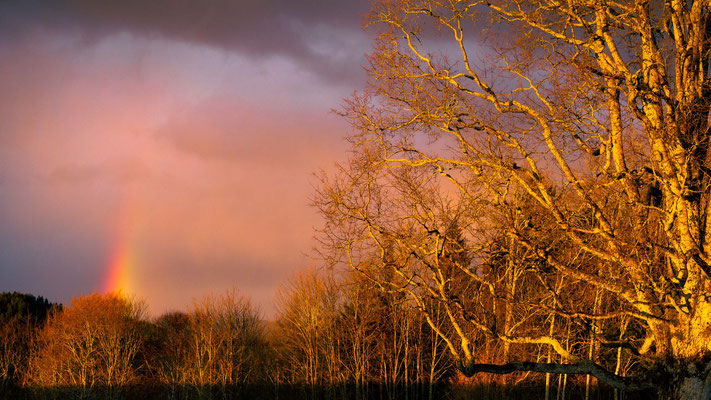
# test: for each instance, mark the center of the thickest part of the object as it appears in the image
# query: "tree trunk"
(509, 299)
(695, 384)
(690, 344)
(549, 359)
(618, 360)
(591, 349)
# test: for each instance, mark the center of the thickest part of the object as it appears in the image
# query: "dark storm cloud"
(313, 33)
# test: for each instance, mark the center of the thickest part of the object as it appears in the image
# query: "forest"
(332, 339)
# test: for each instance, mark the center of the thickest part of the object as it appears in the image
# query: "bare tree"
(307, 308)
(170, 360)
(345, 336)
(223, 340)
(593, 113)
(93, 342)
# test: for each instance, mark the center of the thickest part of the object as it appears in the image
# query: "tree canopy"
(569, 142)
(20, 307)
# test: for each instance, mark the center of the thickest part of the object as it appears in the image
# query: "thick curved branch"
(634, 383)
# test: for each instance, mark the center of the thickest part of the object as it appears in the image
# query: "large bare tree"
(582, 124)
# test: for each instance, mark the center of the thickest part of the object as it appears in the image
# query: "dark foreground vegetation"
(301, 392)
(332, 340)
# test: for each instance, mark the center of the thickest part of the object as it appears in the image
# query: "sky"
(167, 148)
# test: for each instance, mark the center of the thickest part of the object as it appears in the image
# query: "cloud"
(118, 172)
(254, 134)
(204, 141)
(313, 33)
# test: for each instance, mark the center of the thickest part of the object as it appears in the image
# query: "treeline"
(333, 338)
(355, 340)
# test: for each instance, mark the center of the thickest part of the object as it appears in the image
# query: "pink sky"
(195, 149)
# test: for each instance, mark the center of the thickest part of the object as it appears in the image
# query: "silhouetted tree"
(21, 307)
(21, 315)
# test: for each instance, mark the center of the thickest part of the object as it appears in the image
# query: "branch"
(629, 346)
(634, 383)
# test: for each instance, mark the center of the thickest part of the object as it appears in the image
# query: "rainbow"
(121, 262)
(117, 277)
